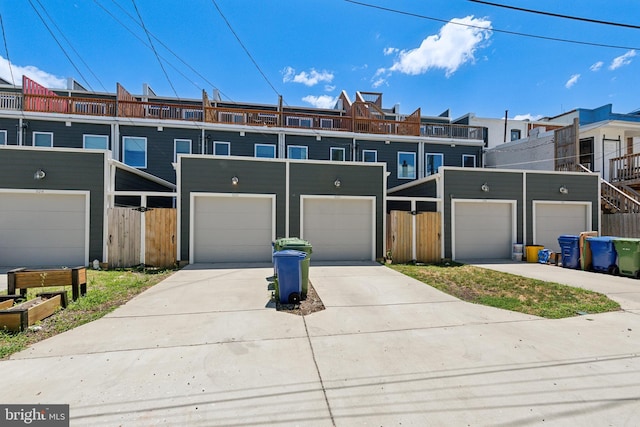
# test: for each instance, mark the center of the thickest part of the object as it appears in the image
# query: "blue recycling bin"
(570, 250)
(603, 254)
(288, 275)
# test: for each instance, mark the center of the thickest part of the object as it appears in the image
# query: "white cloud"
(596, 66)
(322, 101)
(622, 60)
(329, 88)
(34, 73)
(390, 50)
(573, 80)
(453, 46)
(527, 116)
(310, 78)
(379, 82)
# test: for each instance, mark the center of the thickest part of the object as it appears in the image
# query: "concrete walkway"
(204, 347)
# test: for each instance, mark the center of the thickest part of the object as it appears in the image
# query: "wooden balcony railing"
(625, 168)
(110, 107)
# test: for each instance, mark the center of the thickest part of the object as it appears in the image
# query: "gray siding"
(452, 155)
(65, 171)
(388, 153)
(213, 175)
(320, 150)
(543, 186)
(465, 184)
(240, 145)
(63, 135)
(318, 179)
(11, 126)
(423, 189)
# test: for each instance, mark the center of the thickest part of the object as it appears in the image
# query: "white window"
(265, 150)
(221, 148)
(96, 142)
(337, 154)
(326, 123)
(43, 139)
(515, 134)
(301, 122)
(468, 161)
(229, 117)
(181, 146)
(135, 151)
(297, 152)
(370, 156)
(433, 162)
(406, 165)
(3, 137)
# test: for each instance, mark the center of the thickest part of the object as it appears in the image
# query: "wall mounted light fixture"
(40, 174)
(485, 187)
(563, 190)
(235, 180)
(337, 183)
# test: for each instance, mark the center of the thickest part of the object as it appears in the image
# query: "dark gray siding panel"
(318, 179)
(465, 184)
(240, 145)
(11, 126)
(320, 150)
(65, 171)
(452, 155)
(541, 186)
(213, 175)
(63, 135)
(388, 153)
(424, 189)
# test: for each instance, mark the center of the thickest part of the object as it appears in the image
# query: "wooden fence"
(621, 225)
(126, 237)
(405, 228)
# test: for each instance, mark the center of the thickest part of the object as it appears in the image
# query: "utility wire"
(4, 37)
(557, 15)
(70, 45)
(513, 33)
(60, 46)
(154, 49)
(244, 47)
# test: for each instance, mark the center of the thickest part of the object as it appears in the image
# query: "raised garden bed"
(19, 317)
(23, 279)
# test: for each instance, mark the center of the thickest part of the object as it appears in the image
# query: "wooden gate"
(401, 235)
(129, 244)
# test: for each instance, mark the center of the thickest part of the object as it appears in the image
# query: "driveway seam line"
(315, 362)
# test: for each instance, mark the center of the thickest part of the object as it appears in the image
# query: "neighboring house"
(148, 132)
(485, 211)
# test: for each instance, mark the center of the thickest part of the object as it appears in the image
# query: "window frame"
(175, 147)
(338, 149)
(84, 141)
(413, 155)
(3, 141)
(124, 150)
(518, 132)
(221, 143)
(306, 152)
(33, 141)
(375, 154)
(259, 145)
(465, 156)
(426, 162)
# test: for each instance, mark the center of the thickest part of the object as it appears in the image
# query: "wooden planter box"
(21, 278)
(21, 316)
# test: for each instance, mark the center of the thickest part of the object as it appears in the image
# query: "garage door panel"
(43, 229)
(483, 230)
(339, 229)
(555, 219)
(232, 229)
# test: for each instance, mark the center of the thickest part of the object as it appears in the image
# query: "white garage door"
(339, 229)
(555, 219)
(483, 230)
(235, 228)
(43, 229)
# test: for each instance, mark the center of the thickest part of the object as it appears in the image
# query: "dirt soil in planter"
(310, 305)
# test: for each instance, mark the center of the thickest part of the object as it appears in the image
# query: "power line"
(4, 37)
(557, 15)
(154, 49)
(513, 33)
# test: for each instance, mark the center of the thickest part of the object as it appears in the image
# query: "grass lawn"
(508, 291)
(106, 290)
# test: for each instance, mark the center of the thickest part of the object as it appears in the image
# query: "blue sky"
(310, 50)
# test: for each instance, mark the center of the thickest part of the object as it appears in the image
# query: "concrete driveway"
(205, 348)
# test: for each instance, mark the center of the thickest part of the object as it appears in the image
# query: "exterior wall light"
(40, 174)
(485, 187)
(337, 183)
(564, 190)
(234, 180)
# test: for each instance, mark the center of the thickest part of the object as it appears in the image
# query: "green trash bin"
(297, 244)
(628, 256)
